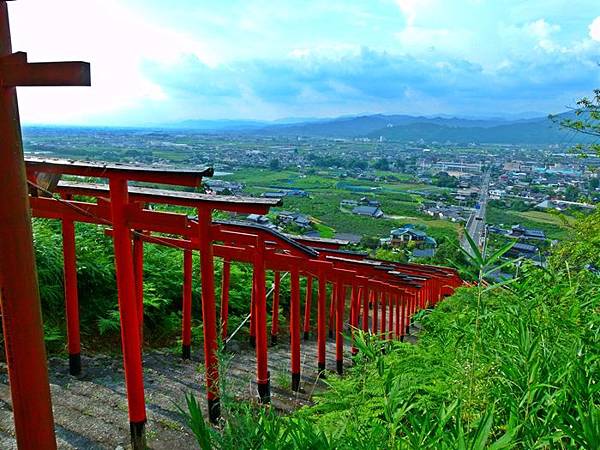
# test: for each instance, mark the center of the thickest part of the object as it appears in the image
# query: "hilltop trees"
(586, 121)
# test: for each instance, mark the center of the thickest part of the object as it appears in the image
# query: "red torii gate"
(20, 298)
(240, 240)
(21, 316)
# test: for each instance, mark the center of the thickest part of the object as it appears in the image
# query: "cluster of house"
(528, 241)
(423, 246)
(285, 193)
(284, 219)
(459, 214)
(532, 183)
(222, 187)
(562, 205)
(364, 207)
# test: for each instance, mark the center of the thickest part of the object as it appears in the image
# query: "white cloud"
(542, 29)
(113, 38)
(595, 29)
(410, 8)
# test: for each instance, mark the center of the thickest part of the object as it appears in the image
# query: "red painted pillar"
(307, 306)
(412, 302)
(391, 315)
(225, 276)
(384, 300)
(295, 328)
(209, 314)
(332, 309)
(365, 311)
(275, 313)
(71, 296)
(403, 303)
(354, 311)
(186, 322)
(321, 313)
(339, 327)
(375, 326)
(260, 310)
(130, 335)
(138, 270)
(19, 298)
(398, 303)
(253, 312)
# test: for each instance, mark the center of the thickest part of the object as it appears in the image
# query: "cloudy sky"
(157, 61)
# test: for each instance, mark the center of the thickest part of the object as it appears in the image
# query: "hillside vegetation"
(514, 366)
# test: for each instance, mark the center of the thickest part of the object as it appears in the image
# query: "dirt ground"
(90, 411)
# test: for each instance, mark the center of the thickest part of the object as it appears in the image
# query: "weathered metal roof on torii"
(151, 174)
(281, 237)
(178, 198)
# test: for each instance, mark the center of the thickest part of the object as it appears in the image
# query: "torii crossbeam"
(19, 299)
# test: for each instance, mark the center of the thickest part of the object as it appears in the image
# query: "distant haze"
(156, 62)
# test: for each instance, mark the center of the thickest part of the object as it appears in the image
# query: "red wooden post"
(130, 336)
(332, 309)
(71, 296)
(365, 311)
(226, 274)
(307, 306)
(252, 313)
(412, 302)
(295, 328)
(339, 327)
(397, 300)
(19, 296)
(186, 322)
(321, 324)
(138, 269)
(275, 313)
(375, 326)
(260, 311)
(383, 313)
(391, 315)
(354, 310)
(209, 314)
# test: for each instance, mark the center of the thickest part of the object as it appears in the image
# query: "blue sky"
(157, 62)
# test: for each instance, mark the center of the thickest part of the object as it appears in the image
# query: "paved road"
(476, 224)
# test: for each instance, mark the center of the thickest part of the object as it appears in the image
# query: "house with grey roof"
(369, 211)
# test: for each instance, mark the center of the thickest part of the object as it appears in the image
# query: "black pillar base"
(296, 382)
(138, 436)
(264, 392)
(306, 335)
(402, 338)
(214, 410)
(321, 366)
(273, 339)
(186, 351)
(75, 364)
(340, 366)
(330, 334)
(407, 329)
(253, 341)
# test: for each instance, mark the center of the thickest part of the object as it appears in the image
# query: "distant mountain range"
(400, 128)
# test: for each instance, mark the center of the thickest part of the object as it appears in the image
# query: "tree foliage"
(586, 122)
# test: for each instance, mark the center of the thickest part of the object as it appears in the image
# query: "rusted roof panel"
(150, 174)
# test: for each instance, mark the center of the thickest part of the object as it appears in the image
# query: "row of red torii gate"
(377, 296)
(396, 291)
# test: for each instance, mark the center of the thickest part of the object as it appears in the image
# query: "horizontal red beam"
(45, 74)
(150, 174)
(245, 205)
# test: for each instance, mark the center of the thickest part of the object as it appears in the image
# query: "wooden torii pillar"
(20, 301)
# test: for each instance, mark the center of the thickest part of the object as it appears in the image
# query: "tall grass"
(494, 368)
